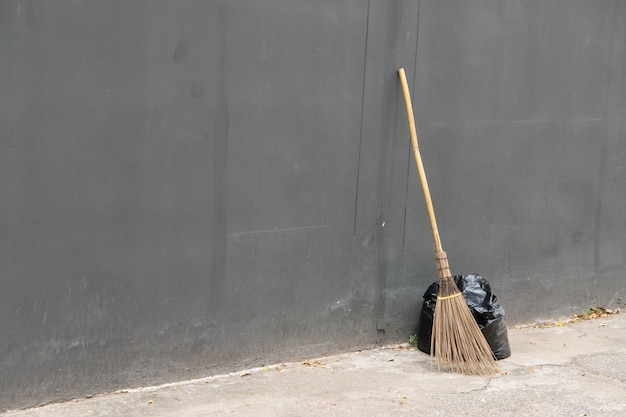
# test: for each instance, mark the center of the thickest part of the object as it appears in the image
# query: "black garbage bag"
(484, 306)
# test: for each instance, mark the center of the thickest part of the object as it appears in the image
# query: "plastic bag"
(484, 306)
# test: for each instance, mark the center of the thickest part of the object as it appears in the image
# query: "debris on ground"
(313, 362)
(591, 314)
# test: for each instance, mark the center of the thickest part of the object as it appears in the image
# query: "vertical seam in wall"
(417, 38)
(604, 146)
(408, 165)
(219, 218)
(358, 166)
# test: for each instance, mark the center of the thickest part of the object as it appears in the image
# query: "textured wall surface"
(197, 186)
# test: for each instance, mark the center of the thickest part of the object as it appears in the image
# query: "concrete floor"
(574, 370)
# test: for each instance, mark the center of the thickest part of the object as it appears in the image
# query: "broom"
(457, 344)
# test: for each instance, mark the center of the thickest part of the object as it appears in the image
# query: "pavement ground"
(563, 369)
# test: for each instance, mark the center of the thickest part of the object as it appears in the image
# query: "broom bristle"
(457, 343)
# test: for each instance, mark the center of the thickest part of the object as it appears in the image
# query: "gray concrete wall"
(196, 186)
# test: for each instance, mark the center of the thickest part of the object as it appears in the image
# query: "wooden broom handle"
(418, 161)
